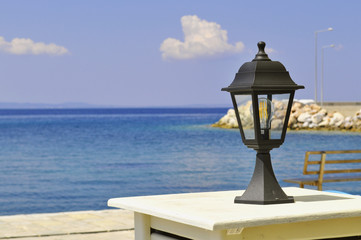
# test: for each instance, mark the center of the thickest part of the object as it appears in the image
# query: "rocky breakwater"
(303, 117)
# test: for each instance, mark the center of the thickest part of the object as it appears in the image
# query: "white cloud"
(201, 38)
(22, 46)
(270, 50)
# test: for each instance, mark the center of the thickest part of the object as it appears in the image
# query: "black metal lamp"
(262, 95)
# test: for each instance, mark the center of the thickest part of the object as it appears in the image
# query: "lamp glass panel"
(280, 103)
(244, 106)
(265, 114)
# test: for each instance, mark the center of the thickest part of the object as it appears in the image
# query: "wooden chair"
(323, 175)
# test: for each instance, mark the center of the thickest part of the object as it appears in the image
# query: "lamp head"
(262, 94)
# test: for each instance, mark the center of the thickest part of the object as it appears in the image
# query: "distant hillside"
(9, 105)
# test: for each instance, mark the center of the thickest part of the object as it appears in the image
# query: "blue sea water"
(76, 159)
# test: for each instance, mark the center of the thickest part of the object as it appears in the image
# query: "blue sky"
(109, 52)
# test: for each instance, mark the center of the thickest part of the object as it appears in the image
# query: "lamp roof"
(262, 74)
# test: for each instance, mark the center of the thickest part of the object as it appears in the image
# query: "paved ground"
(345, 109)
(89, 225)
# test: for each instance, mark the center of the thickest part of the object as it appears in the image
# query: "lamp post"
(316, 32)
(322, 53)
(262, 95)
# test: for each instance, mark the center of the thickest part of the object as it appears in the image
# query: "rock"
(223, 120)
(306, 108)
(276, 124)
(292, 120)
(315, 107)
(358, 114)
(337, 119)
(297, 113)
(338, 116)
(339, 123)
(305, 125)
(348, 122)
(279, 105)
(358, 124)
(304, 117)
(233, 123)
(226, 118)
(296, 106)
(280, 114)
(323, 112)
(245, 115)
(245, 109)
(348, 119)
(227, 121)
(325, 122)
(231, 112)
(317, 118)
(348, 125)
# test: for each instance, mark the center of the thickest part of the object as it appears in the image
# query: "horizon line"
(80, 105)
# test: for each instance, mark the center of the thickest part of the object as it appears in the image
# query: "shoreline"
(331, 116)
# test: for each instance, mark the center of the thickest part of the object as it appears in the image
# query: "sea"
(54, 160)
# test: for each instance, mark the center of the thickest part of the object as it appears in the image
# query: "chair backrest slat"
(323, 161)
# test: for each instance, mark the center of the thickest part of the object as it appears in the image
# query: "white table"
(213, 215)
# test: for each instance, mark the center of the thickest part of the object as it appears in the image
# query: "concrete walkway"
(346, 109)
(89, 225)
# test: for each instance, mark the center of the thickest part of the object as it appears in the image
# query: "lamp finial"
(261, 55)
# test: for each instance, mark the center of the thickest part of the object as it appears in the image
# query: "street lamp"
(316, 32)
(328, 46)
(262, 95)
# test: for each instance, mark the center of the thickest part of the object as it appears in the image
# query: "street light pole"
(328, 46)
(316, 32)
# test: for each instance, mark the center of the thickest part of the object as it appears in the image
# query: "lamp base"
(264, 187)
(239, 199)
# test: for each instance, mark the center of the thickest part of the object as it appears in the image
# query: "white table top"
(216, 210)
